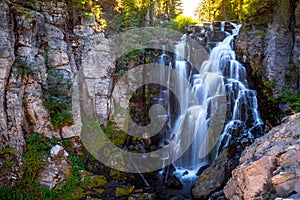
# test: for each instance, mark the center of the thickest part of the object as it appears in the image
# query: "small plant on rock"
(24, 68)
(57, 99)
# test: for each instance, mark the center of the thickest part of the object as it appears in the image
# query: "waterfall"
(220, 75)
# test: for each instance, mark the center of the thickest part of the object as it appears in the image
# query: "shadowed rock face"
(272, 53)
(270, 166)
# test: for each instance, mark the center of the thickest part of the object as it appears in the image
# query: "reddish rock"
(270, 167)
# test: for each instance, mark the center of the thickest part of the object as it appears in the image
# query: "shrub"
(57, 99)
(24, 68)
(292, 99)
(181, 22)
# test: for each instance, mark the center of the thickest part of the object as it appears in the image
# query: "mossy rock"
(124, 191)
(118, 137)
(97, 181)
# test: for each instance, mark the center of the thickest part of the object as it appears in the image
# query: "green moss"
(115, 174)
(7, 151)
(97, 181)
(124, 191)
(100, 191)
(116, 136)
(36, 149)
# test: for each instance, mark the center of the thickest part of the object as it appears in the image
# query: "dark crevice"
(292, 23)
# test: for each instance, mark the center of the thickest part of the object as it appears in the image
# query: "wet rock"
(174, 182)
(229, 27)
(219, 195)
(216, 36)
(216, 26)
(201, 169)
(196, 29)
(207, 26)
(213, 178)
(270, 166)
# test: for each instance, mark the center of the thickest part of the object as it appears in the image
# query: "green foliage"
(7, 159)
(218, 10)
(37, 146)
(253, 11)
(292, 98)
(19, 10)
(140, 13)
(28, 192)
(292, 75)
(24, 68)
(257, 12)
(28, 188)
(57, 99)
(181, 22)
(86, 9)
(78, 163)
(125, 62)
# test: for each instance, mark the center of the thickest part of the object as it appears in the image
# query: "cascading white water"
(220, 73)
(164, 95)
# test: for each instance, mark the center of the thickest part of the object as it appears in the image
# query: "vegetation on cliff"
(253, 11)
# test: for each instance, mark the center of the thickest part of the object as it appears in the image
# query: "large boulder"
(212, 178)
(269, 168)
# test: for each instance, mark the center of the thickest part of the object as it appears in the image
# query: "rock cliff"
(37, 41)
(269, 168)
(271, 54)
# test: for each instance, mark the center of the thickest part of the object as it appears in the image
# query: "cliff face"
(36, 43)
(272, 55)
